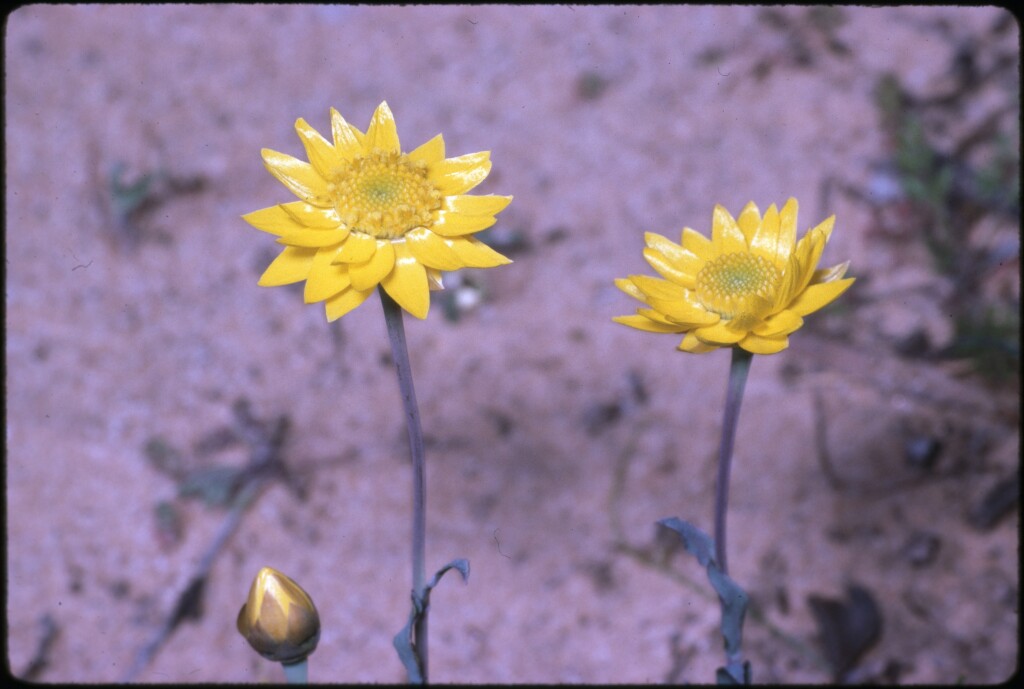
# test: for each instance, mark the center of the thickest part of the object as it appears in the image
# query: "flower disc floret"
(370, 214)
(749, 286)
(737, 285)
(384, 195)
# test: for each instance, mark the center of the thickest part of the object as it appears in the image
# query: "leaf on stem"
(732, 597)
(403, 641)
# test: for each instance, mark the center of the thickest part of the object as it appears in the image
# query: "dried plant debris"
(847, 628)
(1001, 499)
(510, 241)
(41, 658)
(950, 181)
(599, 415)
(164, 457)
(462, 295)
(230, 487)
(591, 85)
(128, 195)
(170, 529)
(955, 168)
(130, 200)
(921, 548)
(806, 37)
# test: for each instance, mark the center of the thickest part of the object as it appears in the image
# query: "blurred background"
(874, 506)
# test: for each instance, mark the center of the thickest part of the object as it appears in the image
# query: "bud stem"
(738, 369)
(400, 354)
(296, 673)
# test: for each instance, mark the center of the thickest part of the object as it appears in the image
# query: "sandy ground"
(555, 438)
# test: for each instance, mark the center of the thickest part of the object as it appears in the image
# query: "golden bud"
(279, 619)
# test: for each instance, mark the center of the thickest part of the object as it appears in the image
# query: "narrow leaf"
(403, 640)
(732, 597)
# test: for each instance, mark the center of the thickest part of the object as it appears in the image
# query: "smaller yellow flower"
(369, 214)
(750, 285)
(279, 619)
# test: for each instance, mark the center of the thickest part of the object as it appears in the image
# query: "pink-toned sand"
(545, 466)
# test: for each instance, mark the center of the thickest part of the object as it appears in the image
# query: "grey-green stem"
(400, 354)
(738, 369)
(297, 673)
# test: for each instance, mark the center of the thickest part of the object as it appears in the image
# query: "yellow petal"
(719, 334)
(291, 265)
(826, 226)
(321, 154)
(489, 205)
(786, 222)
(318, 238)
(343, 302)
(829, 274)
(358, 248)
(310, 216)
(407, 283)
(459, 175)
(782, 323)
(325, 278)
(765, 239)
(476, 254)
(450, 224)
(808, 253)
(646, 324)
(749, 221)
(657, 317)
(627, 286)
(347, 139)
(433, 251)
(657, 288)
(273, 220)
(756, 344)
(679, 272)
(367, 275)
(691, 344)
(382, 132)
(664, 245)
(430, 152)
(299, 176)
(697, 244)
(725, 233)
(681, 312)
(787, 288)
(434, 279)
(818, 296)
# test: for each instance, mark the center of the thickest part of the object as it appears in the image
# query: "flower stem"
(738, 369)
(400, 354)
(296, 673)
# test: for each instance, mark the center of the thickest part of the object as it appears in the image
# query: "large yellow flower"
(370, 214)
(750, 285)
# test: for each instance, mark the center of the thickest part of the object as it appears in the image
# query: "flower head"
(279, 619)
(370, 214)
(750, 285)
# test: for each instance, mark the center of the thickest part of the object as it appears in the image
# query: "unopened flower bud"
(279, 619)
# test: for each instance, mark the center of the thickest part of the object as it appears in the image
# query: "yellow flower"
(279, 619)
(370, 214)
(750, 285)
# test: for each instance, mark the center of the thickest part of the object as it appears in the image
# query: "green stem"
(296, 673)
(738, 369)
(400, 353)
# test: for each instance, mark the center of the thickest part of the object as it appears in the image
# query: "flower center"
(739, 285)
(384, 195)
